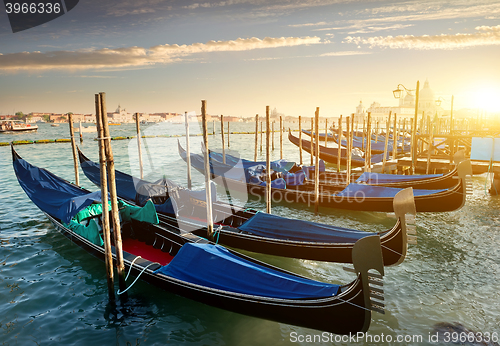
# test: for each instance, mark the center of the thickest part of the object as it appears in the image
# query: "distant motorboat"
(86, 129)
(15, 126)
(54, 125)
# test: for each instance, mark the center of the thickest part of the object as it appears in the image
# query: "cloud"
(137, 56)
(346, 53)
(485, 36)
(367, 29)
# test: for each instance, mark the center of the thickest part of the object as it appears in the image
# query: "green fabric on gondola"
(127, 212)
(91, 210)
(90, 232)
(144, 214)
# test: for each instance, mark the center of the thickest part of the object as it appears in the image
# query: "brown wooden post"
(339, 142)
(414, 137)
(268, 162)
(348, 151)
(81, 134)
(73, 146)
(108, 255)
(395, 138)
(256, 136)
(272, 137)
(430, 146)
(281, 137)
(206, 158)
(138, 131)
(363, 136)
(188, 152)
(300, 138)
(452, 139)
(316, 163)
(261, 136)
(386, 144)
(223, 141)
(213, 127)
(368, 152)
(110, 165)
(312, 141)
(326, 132)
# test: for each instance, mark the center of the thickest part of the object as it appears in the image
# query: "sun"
(488, 99)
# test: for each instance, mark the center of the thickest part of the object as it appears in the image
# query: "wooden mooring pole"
(108, 255)
(210, 224)
(281, 138)
(386, 144)
(188, 152)
(348, 150)
(268, 163)
(110, 165)
(300, 139)
(312, 141)
(256, 136)
(339, 143)
(138, 131)
(73, 146)
(316, 163)
(413, 135)
(223, 141)
(368, 152)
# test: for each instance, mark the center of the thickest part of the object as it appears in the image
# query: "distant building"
(405, 109)
(120, 115)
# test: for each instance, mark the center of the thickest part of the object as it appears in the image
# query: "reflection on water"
(52, 291)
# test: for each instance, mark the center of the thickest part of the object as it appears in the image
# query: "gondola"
(377, 147)
(335, 179)
(330, 154)
(189, 266)
(264, 233)
(359, 141)
(353, 197)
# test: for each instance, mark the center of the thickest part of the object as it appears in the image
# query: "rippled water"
(52, 291)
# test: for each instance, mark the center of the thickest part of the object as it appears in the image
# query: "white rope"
(137, 278)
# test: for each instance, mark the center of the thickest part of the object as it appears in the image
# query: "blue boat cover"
(125, 184)
(362, 191)
(52, 194)
(277, 227)
(294, 179)
(215, 267)
(276, 183)
(277, 165)
(138, 190)
(380, 178)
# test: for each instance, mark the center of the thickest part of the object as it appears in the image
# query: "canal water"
(51, 291)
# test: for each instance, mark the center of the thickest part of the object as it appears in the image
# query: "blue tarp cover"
(52, 194)
(380, 178)
(271, 226)
(485, 149)
(127, 187)
(215, 267)
(277, 165)
(361, 191)
(125, 184)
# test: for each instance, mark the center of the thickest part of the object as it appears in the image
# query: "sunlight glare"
(488, 99)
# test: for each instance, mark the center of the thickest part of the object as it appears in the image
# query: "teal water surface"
(52, 292)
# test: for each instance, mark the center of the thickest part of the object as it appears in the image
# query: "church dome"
(426, 93)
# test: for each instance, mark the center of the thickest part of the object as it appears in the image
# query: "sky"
(243, 55)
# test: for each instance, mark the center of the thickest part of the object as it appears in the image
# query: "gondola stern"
(366, 256)
(405, 210)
